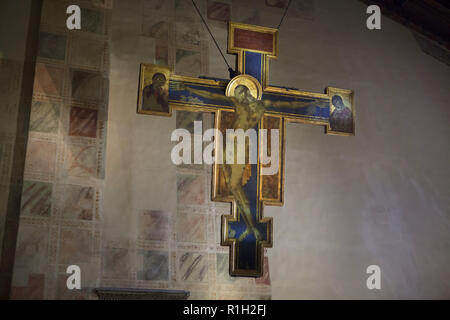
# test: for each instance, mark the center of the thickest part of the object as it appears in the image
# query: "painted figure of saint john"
(342, 117)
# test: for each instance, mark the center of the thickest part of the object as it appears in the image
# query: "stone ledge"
(140, 294)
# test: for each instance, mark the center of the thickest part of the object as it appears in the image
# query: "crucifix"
(247, 102)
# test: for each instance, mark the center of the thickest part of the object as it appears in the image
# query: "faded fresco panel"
(155, 265)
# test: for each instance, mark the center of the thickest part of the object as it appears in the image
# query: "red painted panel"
(253, 40)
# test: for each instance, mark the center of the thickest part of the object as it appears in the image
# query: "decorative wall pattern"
(64, 169)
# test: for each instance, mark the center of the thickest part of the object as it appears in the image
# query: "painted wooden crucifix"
(247, 102)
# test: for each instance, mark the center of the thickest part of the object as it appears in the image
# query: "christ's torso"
(247, 115)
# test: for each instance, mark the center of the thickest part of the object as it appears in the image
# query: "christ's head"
(243, 95)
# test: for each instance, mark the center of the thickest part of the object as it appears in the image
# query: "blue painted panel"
(253, 64)
(312, 107)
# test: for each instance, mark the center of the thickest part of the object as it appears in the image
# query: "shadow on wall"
(18, 143)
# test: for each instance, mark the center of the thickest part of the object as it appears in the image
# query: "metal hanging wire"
(232, 73)
(284, 15)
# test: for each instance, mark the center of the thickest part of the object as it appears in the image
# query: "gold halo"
(250, 82)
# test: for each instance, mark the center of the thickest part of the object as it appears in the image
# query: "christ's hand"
(178, 86)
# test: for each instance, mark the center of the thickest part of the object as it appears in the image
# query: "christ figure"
(247, 115)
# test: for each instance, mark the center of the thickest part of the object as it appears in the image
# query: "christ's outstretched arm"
(202, 93)
(310, 106)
